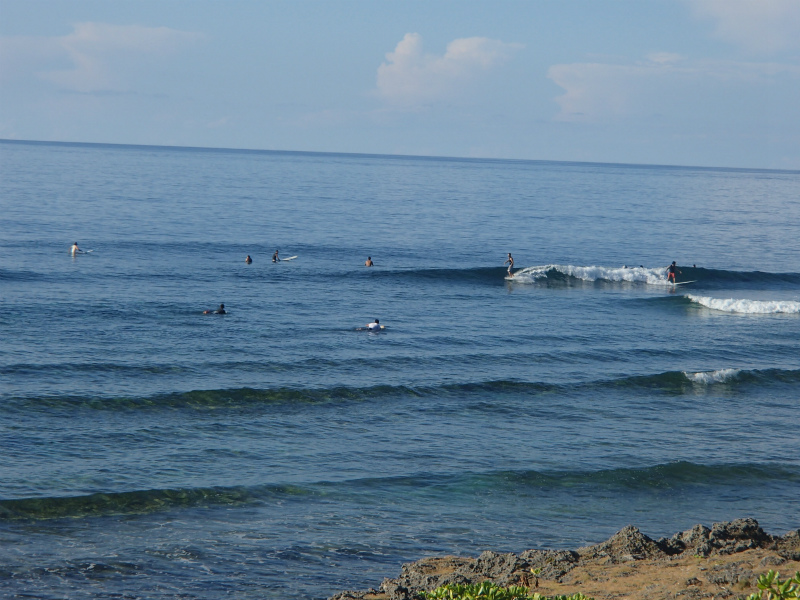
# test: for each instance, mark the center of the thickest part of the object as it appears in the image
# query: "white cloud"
(94, 57)
(761, 26)
(597, 92)
(410, 78)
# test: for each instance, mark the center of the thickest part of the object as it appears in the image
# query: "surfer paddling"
(510, 263)
(374, 326)
(671, 272)
(219, 311)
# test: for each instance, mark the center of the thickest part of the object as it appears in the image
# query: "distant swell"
(624, 481)
(672, 382)
(137, 502)
(750, 307)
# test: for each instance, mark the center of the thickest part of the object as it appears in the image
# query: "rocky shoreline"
(722, 561)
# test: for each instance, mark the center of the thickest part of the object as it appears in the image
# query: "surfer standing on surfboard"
(510, 262)
(671, 272)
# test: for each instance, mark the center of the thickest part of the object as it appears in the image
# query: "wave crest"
(712, 377)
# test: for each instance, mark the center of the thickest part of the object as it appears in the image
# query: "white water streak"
(655, 276)
(712, 377)
(747, 306)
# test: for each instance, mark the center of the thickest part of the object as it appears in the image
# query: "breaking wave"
(712, 377)
(710, 278)
(752, 307)
(656, 276)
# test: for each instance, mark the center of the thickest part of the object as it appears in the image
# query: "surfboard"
(289, 258)
(684, 282)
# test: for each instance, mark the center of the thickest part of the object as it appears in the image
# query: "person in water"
(374, 326)
(75, 250)
(671, 272)
(248, 260)
(219, 311)
(275, 257)
(369, 262)
(510, 262)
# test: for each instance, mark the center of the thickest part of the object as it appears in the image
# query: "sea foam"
(747, 306)
(655, 276)
(712, 377)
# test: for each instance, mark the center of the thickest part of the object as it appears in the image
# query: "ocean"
(276, 452)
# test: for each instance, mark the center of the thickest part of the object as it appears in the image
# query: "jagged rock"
(729, 574)
(737, 536)
(627, 544)
(353, 595)
(552, 564)
(503, 569)
(788, 547)
(428, 574)
(394, 590)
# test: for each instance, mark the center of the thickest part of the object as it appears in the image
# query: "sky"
(675, 82)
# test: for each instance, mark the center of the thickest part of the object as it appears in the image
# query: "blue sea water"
(149, 450)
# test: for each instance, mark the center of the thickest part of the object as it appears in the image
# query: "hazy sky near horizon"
(684, 82)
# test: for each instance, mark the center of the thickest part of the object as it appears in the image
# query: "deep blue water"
(149, 450)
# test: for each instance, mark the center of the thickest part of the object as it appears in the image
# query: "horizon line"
(393, 156)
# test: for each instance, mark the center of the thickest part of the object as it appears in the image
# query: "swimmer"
(248, 260)
(219, 311)
(374, 326)
(671, 270)
(75, 250)
(275, 257)
(369, 262)
(510, 262)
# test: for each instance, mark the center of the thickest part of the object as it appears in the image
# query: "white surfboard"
(289, 258)
(684, 282)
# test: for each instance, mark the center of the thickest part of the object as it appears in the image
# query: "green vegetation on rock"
(772, 588)
(489, 591)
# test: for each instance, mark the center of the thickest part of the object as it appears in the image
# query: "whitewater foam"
(649, 276)
(747, 306)
(712, 377)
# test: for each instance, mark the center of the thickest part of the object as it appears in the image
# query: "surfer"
(671, 272)
(275, 257)
(374, 326)
(248, 260)
(219, 311)
(74, 250)
(510, 262)
(369, 262)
